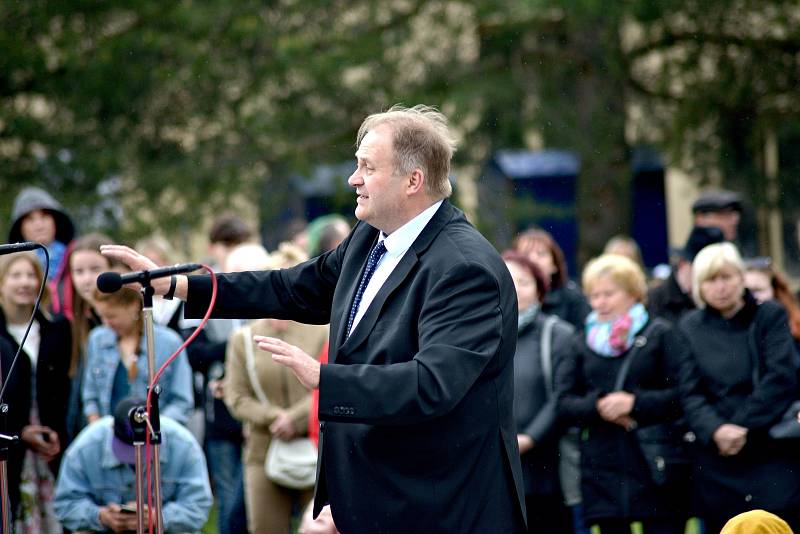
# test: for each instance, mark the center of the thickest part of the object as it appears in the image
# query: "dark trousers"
(623, 526)
(547, 514)
(225, 469)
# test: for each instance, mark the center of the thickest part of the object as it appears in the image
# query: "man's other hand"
(305, 368)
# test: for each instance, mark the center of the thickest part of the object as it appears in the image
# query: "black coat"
(668, 301)
(52, 389)
(568, 303)
(615, 480)
(534, 408)
(416, 404)
(717, 388)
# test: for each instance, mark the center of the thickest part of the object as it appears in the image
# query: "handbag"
(663, 445)
(788, 427)
(291, 464)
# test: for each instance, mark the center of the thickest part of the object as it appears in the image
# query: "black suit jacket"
(416, 405)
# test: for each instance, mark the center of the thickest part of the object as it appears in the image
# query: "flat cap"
(717, 200)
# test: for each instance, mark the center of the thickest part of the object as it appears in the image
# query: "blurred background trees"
(152, 115)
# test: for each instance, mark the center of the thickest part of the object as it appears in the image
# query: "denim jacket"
(102, 358)
(91, 476)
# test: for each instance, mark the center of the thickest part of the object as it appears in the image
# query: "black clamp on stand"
(6, 442)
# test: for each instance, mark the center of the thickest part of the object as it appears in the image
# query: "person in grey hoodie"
(37, 216)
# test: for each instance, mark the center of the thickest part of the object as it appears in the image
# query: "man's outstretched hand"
(139, 262)
(304, 367)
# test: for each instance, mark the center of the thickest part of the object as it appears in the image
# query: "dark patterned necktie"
(372, 262)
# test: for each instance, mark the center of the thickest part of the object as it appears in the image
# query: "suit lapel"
(399, 274)
(350, 277)
(367, 322)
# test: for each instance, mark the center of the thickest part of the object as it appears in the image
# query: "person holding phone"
(96, 487)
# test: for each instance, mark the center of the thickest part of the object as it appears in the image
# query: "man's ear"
(416, 182)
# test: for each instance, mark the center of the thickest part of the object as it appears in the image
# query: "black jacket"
(615, 480)
(568, 303)
(717, 388)
(417, 403)
(534, 407)
(668, 301)
(52, 389)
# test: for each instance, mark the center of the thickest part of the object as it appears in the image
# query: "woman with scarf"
(543, 341)
(620, 340)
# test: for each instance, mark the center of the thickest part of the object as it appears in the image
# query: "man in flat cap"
(673, 298)
(721, 209)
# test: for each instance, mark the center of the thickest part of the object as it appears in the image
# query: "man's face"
(726, 220)
(39, 226)
(381, 194)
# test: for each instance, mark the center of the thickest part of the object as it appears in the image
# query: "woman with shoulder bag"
(543, 340)
(622, 378)
(274, 406)
(738, 378)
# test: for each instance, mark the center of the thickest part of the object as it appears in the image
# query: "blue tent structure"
(524, 188)
(547, 180)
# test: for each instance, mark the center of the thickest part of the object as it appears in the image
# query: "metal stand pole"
(153, 416)
(139, 426)
(5, 445)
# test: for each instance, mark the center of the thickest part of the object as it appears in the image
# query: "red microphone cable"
(155, 381)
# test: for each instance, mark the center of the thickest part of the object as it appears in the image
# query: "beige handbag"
(291, 464)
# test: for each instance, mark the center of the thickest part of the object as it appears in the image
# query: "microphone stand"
(5, 444)
(137, 417)
(152, 419)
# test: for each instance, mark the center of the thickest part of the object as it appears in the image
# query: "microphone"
(19, 247)
(110, 282)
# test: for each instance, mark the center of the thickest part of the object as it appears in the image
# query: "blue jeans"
(225, 467)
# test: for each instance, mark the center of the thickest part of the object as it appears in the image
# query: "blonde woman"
(269, 506)
(738, 376)
(616, 482)
(37, 392)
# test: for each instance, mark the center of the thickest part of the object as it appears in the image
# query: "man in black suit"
(416, 402)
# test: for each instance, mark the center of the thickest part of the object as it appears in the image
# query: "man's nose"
(355, 179)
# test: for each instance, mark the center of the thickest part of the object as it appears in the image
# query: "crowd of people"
(636, 399)
(83, 366)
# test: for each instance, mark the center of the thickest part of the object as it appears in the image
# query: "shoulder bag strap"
(638, 342)
(251, 366)
(546, 353)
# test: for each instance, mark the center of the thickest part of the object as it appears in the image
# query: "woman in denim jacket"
(116, 360)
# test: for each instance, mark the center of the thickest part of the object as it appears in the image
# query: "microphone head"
(109, 282)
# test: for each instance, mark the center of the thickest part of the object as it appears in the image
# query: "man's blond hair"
(421, 139)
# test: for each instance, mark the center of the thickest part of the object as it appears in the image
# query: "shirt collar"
(401, 239)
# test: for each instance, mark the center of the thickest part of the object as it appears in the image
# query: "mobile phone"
(127, 508)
